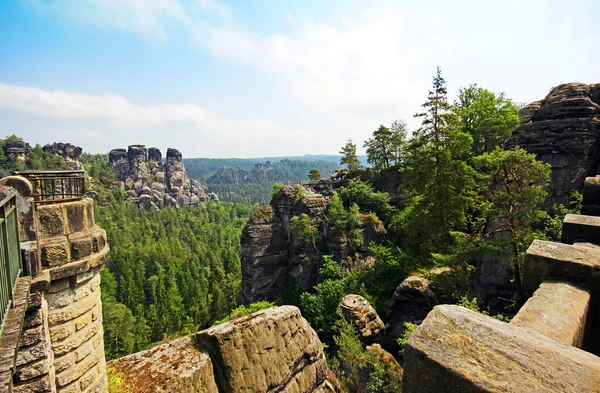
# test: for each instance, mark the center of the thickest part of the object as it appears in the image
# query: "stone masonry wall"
(62, 346)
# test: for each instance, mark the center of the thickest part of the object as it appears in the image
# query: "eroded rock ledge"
(273, 350)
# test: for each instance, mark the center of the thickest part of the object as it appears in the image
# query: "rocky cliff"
(273, 350)
(563, 130)
(273, 256)
(152, 184)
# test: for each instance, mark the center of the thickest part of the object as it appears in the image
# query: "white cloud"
(103, 122)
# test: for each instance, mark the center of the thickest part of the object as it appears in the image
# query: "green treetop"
(386, 147)
(439, 182)
(314, 174)
(489, 118)
(349, 157)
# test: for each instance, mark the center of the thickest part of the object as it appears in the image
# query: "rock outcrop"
(152, 184)
(273, 350)
(273, 256)
(564, 131)
(16, 150)
(358, 311)
(411, 302)
(69, 152)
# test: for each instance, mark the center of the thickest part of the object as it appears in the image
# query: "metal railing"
(10, 254)
(56, 186)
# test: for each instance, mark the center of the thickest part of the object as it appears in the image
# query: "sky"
(257, 78)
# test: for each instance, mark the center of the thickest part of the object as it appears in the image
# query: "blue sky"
(269, 77)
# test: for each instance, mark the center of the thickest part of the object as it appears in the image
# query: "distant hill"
(250, 180)
(201, 167)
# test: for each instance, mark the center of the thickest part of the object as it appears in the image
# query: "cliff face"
(152, 184)
(273, 256)
(563, 130)
(273, 350)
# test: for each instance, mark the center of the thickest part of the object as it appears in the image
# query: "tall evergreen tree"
(437, 179)
(349, 157)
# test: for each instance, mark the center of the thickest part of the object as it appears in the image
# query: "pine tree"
(438, 180)
(349, 157)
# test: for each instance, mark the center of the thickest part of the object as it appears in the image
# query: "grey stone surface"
(458, 350)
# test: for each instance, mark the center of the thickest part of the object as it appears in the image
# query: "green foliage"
(331, 270)
(554, 220)
(489, 118)
(314, 174)
(368, 200)
(409, 328)
(349, 157)
(170, 272)
(242, 311)
(276, 188)
(386, 147)
(514, 192)
(438, 181)
(319, 306)
(348, 224)
(304, 230)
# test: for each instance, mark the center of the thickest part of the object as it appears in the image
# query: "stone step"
(557, 310)
(546, 260)
(580, 228)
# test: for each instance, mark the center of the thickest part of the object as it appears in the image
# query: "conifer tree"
(387, 145)
(439, 182)
(349, 157)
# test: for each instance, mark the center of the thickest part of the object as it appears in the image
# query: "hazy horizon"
(231, 79)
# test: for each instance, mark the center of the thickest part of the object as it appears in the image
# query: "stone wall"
(61, 346)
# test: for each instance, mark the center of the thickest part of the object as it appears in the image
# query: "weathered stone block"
(63, 362)
(74, 372)
(89, 212)
(177, 366)
(546, 260)
(51, 220)
(32, 336)
(557, 310)
(457, 350)
(55, 251)
(75, 214)
(33, 370)
(271, 350)
(59, 285)
(41, 385)
(60, 299)
(74, 310)
(33, 318)
(70, 269)
(73, 342)
(580, 228)
(81, 245)
(32, 354)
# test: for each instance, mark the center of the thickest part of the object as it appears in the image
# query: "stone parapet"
(557, 310)
(458, 350)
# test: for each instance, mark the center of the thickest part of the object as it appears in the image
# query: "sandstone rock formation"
(272, 256)
(69, 152)
(16, 151)
(411, 302)
(152, 184)
(273, 350)
(564, 131)
(358, 311)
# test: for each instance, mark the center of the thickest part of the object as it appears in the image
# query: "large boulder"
(273, 350)
(358, 311)
(563, 130)
(411, 302)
